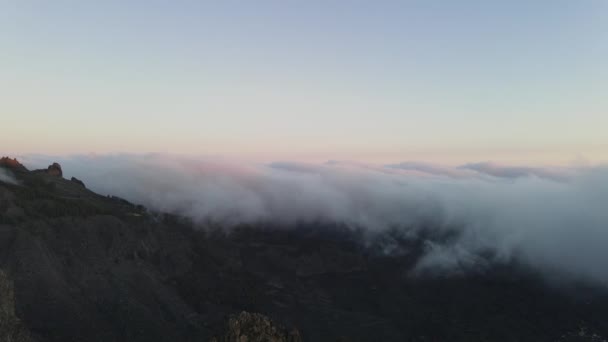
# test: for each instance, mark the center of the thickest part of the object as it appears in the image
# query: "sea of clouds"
(553, 219)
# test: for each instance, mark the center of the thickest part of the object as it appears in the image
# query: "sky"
(377, 81)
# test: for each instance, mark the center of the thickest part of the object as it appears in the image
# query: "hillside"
(79, 266)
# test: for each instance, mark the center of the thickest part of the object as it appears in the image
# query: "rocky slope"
(78, 266)
(11, 328)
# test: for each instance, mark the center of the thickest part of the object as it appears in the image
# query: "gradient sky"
(441, 81)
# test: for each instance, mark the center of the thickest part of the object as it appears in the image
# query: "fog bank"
(7, 177)
(555, 220)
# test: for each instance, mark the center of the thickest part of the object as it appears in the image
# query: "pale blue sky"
(447, 81)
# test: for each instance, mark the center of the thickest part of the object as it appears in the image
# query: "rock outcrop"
(78, 181)
(54, 170)
(12, 164)
(254, 327)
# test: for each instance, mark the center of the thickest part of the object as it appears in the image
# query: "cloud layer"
(552, 219)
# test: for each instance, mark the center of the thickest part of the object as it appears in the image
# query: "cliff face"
(85, 267)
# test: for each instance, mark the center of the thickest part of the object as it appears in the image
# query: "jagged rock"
(11, 328)
(55, 170)
(254, 327)
(12, 164)
(78, 181)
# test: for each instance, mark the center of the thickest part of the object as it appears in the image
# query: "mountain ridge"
(84, 266)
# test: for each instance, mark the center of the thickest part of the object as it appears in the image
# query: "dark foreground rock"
(254, 327)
